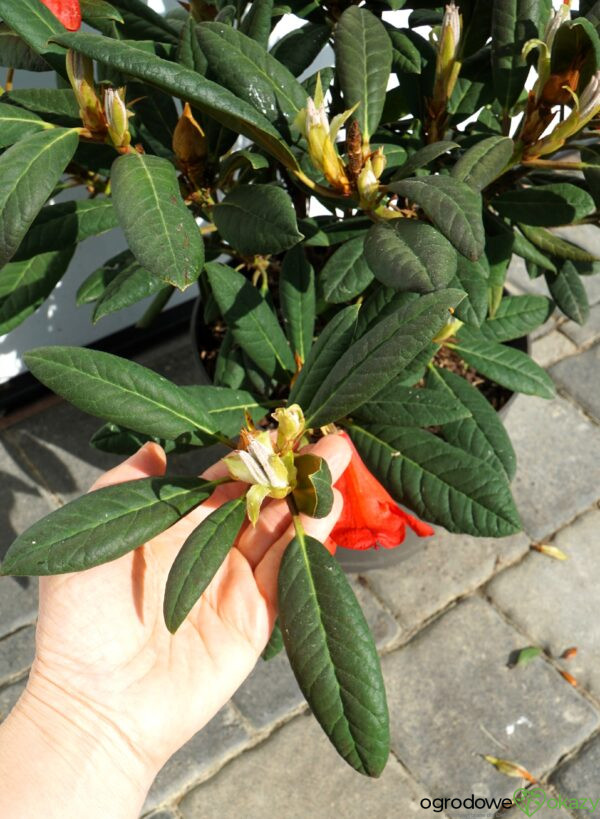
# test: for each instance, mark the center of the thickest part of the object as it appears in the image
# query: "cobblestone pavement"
(447, 620)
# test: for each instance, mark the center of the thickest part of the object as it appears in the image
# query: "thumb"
(149, 461)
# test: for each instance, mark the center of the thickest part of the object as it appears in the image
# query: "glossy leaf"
(29, 170)
(545, 206)
(505, 365)
(363, 53)
(67, 223)
(131, 285)
(257, 219)
(96, 10)
(333, 341)
(297, 49)
(142, 22)
(332, 654)
(423, 157)
(439, 482)
(516, 316)
(58, 101)
(16, 123)
(15, 53)
(199, 560)
(160, 230)
(513, 23)
(206, 95)
(379, 355)
(346, 273)
(485, 161)
(36, 24)
(257, 21)
(453, 207)
(313, 494)
(103, 525)
(251, 320)
(298, 300)
(482, 433)
(25, 285)
(410, 407)
(96, 283)
(118, 390)
(410, 255)
(556, 246)
(567, 290)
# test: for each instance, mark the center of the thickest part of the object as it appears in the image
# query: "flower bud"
(80, 70)
(117, 117)
(448, 330)
(447, 65)
(368, 186)
(378, 161)
(290, 428)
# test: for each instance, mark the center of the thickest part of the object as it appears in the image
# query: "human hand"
(103, 647)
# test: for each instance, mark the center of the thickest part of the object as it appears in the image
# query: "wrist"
(71, 759)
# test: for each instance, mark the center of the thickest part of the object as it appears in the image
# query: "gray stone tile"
(445, 567)
(550, 599)
(296, 774)
(558, 449)
(579, 376)
(223, 735)
(518, 277)
(584, 335)
(578, 778)
(9, 696)
(164, 814)
(18, 602)
(21, 502)
(16, 653)
(383, 626)
(551, 348)
(175, 360)
(452, 699)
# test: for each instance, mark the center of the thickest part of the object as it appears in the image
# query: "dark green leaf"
(591, 156)
(199, 560)
(275, 644)
(423, 157)
(298, 49)
(453, 207)
(257, 21)
(142, 22)
(257, 219)
(16, 123)
(516, 316)
(215, 100)
(298, 300)
(406, 56)
(438, 481)
(569, 293)
(160, 230)
(381, 302)
(58, 101)
(251, 320)
(67, 223)
(96, 283)
(122, 441)
(118, 390)
(322, 622)
(472, 278)
(482, 433)
(528, 251)
(485, 161)
(333, 341)
(576, 37)
(15, 53)
(32, 21)
(25, 285)
(505, 365)
(103, 525)
(363, 53)
(379, 355)
(313, 494)
(410, 255)
(410, 407)
(189, 53)
(513, 23)
(96, 10)
(29, 170)
(556, 246)
(545, 206)
(131, 285)
(346, 273)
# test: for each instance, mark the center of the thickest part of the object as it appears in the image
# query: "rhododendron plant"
(348, 231)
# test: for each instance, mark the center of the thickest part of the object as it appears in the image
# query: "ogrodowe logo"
(530, 800)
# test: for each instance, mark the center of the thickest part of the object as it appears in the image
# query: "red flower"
(370, 516)
(67, 11)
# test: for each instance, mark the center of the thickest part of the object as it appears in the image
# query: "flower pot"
(351, 560)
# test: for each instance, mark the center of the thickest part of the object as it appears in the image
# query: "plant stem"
(157, 304)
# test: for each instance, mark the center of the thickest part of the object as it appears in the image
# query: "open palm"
(101, 636)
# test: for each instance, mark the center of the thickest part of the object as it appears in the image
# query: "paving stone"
(557, 451)
(445, 567)
(271, 692)
(9, 696)
(452, 698)
(18, 602)
(551, 348)
(579, 377)
(164, 814)
(296, 774)
(550, 599)
(16, 653)
(586, 334)
(223, 735)
(21, 502)
(578, 778)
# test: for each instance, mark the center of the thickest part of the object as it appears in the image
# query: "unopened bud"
(117, 117)
(368, 186)
(449, 329)
(80, 70)
(378, 161)
(189, 142)
(290, 428)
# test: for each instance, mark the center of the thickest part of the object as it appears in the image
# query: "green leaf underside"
(118, 390)
(453, 207)
(346, 273)
(332, 654)
(160, 230)
(505, 365)
(253, 323)
(29, 170)
(199, 559)
(409, 407)
(556, 246)
(379, 355)
(482, 434)
(528, 251)
(103, 525)
(440, 482)
(410, 255)
(215, 100)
